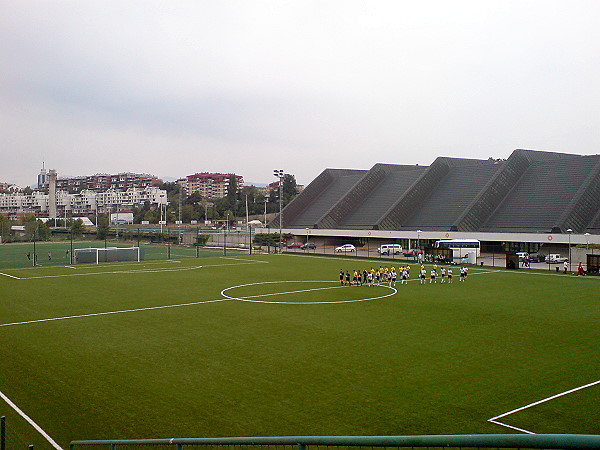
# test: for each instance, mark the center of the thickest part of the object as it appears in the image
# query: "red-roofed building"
(210, 185)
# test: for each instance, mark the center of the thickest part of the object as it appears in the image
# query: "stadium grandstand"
(530, 192)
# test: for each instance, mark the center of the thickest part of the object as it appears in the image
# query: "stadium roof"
(531, 191)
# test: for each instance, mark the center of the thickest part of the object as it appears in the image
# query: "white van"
(389, 249)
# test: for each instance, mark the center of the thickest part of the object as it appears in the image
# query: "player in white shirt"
(432, 275)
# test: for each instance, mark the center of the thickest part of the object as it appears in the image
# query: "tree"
(290, 188)
(151, 216)
(290, 191)
(103, 226)
(229, 216)
(232, 193)
(35, 230)
(5, 225)
(188, 213)
(77, 227)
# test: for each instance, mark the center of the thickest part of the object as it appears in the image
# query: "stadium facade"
(531, 196)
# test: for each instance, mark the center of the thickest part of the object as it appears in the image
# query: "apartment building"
(209, 185)
(83, 203)
(104, 182)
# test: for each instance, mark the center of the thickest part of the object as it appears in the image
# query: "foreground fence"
(9, 439)
(498, 441)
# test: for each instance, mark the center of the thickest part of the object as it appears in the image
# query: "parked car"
(537, 257)
(412, 253)
(522, 255)
(555, 258)
(345, 248)
(309, 246)
(295, 245)
(387, 249)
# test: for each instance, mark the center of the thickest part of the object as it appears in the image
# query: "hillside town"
(127, 198)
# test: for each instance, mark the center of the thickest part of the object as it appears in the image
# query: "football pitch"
(272, 345)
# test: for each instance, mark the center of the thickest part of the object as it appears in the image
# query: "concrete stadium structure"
(531, 197)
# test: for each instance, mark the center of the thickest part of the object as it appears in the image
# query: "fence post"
(2, 433)
(302, 447)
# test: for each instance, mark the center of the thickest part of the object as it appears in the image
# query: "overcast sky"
(173, 88)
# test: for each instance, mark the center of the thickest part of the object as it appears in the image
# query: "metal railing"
(499, 441)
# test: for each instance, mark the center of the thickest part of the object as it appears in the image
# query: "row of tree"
(35, 229)
(195, 207)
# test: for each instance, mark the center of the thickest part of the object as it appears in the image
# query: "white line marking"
(83, 274)
(139, 270)
(250, 297)
(112, 264)
(294, 292)
(149, 308)
(244, 259)
(493, 419)
(10, 276)
(30, 421)
(510, 426)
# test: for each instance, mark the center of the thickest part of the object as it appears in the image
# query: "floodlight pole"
(279, 174)
(587, 241)
(569, 231)
(34, 255)
(266, 201)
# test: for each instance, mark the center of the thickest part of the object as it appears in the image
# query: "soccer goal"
(108, 254)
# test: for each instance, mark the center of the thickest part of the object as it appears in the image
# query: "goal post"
(97, 255)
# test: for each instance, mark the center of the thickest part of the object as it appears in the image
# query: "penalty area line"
(30, 421)
(570, 391)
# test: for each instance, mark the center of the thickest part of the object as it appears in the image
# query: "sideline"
(30, 421)
(494, 419)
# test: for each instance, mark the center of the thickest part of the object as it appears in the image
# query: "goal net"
(108, 254)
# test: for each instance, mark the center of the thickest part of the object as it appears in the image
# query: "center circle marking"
(253, 300)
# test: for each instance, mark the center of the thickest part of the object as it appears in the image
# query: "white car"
(389, 249)
(345, 248)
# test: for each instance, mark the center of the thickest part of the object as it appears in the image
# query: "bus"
(460, 247)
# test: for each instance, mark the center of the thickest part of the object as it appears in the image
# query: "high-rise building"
(210, 185)
(42, 178)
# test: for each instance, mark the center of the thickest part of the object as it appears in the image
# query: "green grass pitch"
(271, 345)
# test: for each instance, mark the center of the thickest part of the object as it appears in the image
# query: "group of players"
(389, 275)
